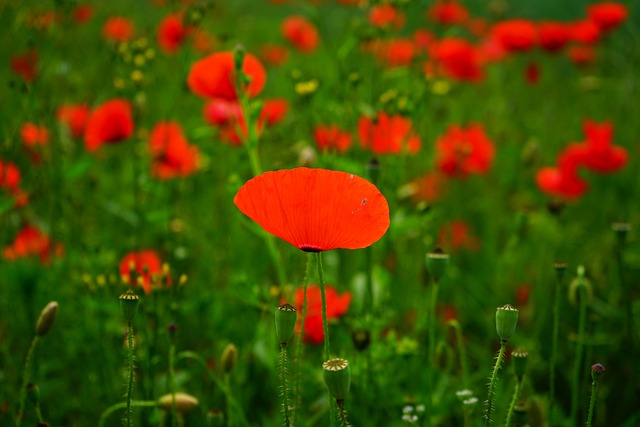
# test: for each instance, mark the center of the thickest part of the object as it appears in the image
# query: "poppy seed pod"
(184, 402)
(337, 376)
(229, 358)
(437, 262)
(47, 316)
(129, 305)
(286, 317)
(520, 359)
(596, 371)
(506, 320)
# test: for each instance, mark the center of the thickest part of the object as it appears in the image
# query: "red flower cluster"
(25, 65)
(337, 305)
(109, 123)
(29, 242)
(118, 29)
(596, 154)
(301, 33)
(172, 33)
(10, 178)
(386, 134)
(33, 135)
(141, 268)
(393, 52)
(173, 156)
(463, 151)
(386, 15)
(274, 54)
(456, 235)
(447, 12)
(74, 117)
(457, 59)
(329, 137)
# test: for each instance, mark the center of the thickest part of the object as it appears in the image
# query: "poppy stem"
(492, 383)
(514, 400)
(130, 384)
(325, 325)
(554, 347)
(299, 339)
(432, 346)
(577, 363)
(25, 376)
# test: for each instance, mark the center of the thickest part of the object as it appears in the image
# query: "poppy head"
(33, 135)
(331, 137)
(109, 123)
(172, 155)
(447, 12)
(563, 180)
(29, 242)
(515, 35)
(74, 117)
(301, 33)
(274, 54)
(607, 15)
(600, 155)
(316, 209)
(386, 134)
(337, 305)
(118, 29)
(171, 33)
(213, 76)
(82, 13)
(553, 35)
(141, 268)
(25, 65)
(458, 59)
(273, 111)
(10, 178)
(585, 32)
(385, 15)
(463, 151)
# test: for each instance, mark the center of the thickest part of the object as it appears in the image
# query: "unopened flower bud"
(286, 318)
(596, 371)
(506, 320)
(337, 377)
(437, 262)
(520, 359)
(129, 305)
(229, 358)
(47, 316)
(184, 402)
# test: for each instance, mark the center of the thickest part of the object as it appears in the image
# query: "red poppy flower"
(515, 35)
(599, 154)
(274, 54)
(201, 41)
(447, 12)
(563, 181)
(212, 77)
(145, 266)
(585, 32)
(82, 13)
(172, 155)
(218, 112)
(383, 15)
(337, 305)
(582, 55)
(331, 137)
(171, 33)
(25, 65)
(553, 35)
(316, 209)
(423, 39)
(10, 178)
(607, 15)
(523, 292)
(428, 188)
(463, 151)
(118, 29)
(301, 33)
(458, 59)
(33, 135)
(273, 111)
(447, 313)
(532, 73)
(74, 117)
(386, 134)
(394, 52)
(29, 242)
(110, 122)
(456, 235)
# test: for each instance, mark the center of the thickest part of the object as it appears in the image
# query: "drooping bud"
(184, 402)
(506, 320)
(437, 262)
(47, 316)
(596, 371)
(286, 317)
(229, 358)
(337, 376)
(520, 359)
(129, 305)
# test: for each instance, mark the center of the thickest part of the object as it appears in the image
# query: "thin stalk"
(284, 384)
(25, 376)
(432, 349)
(122, 405)
(577, 363)
(462, 351)
(227, 383)
(516, 393)
(130, 384)
(342, 415)
(298, 351)
(39, 413)
(492, 383)
(554, 349)
(172, 382)
(592, 402)
(325, 327)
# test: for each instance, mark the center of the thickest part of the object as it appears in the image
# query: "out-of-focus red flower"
(201, 41)
(563, 180)
(171, 33)
(109, 123)
(316, 210)
(522, 295)
(118, 29)
(213, 76)
(41, 20)
(532, 73)
(607, 15)
(330, 137)
(394, 52)
(446, 313)
(31, 241)
(219, 112)
(301, 33)
(82, 13)
(447, 12)
(337, 306)
(456, 235)
(33, 135)
(553, 36)
(582, 55)
(477, 26)
(428, 188)
(515, 35)
(141, 268)
(423, 39)
(273, 111)
(386, 134)
(463, 151)
(600, 155)
(274, 54)
(10, 178)
(25, 65)
(458, 59)
(585, 32)
(74, 117)
(172, 154)
(384, 15)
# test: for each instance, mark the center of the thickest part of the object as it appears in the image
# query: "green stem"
(130, 384)
(299, 338)
(554, 349)
(577, 363)
(284, 384)
(325, 325)
(516, 393)
(432, 349)
(342, 415)
(227, 383)
(39, 413)
(492, 383)
(25, 380)
(592, 402)
(172, 382)
(122, 405)
(462, 351)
